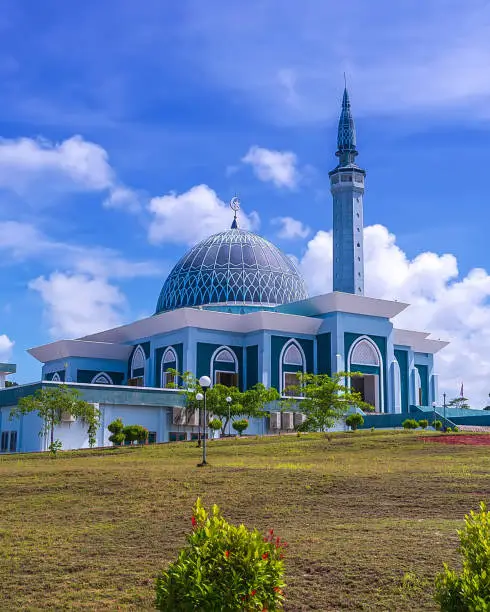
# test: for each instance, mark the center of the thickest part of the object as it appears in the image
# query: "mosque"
(235, 308)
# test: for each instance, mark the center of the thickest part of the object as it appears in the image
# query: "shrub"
(354, 421)
(240, 426)
(455, 428)
(135, 433)
(449, 429)
(424, 423)
(215, 424)
(437, 425)
(469, 590)
(223, 567)
(410, 424)
(116, 429)
(54, 447)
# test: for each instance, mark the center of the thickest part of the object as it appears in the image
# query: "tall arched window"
(102, 379)
(224, 366)
(138, 363)
(364, 352)
(291, 361)
(169, 362)
(56, 377)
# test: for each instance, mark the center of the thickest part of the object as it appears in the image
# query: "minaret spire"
(346, 134)
(347, 187)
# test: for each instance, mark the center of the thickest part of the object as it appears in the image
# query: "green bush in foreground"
(117, 436)
(410, 424)
(354, 421)
(223, 568)
(470, 590)
(215, 424)
(437, 425)
(424, 423)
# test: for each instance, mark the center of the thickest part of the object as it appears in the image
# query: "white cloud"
(278, 167)
(77, 304)
(291, 228)
(123, 198)
(22, 241)
(189, 217)
(74, 163)
(33, 167)
(451, 308)
(6, 346)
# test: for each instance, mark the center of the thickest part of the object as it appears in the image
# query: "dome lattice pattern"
(232, 267)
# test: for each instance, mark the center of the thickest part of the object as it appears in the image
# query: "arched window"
(291, 361)
(364, 353)
(370, 384)
(138, 363)
(224, 366)
(102, 379)
(169, 362)
(56, 377)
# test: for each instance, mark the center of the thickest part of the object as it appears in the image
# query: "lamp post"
(444, 405)
(205, 383)
(199, 397)
(228, 401)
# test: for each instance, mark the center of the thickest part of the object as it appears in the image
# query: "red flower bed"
(472, 440)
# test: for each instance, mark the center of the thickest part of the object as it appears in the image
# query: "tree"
(354, 421)
(51, 403)
(250, 403)
(458, 402)
(325, 399)
(116, 429)
(240, 426)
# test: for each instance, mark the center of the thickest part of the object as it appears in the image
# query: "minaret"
(347, 187)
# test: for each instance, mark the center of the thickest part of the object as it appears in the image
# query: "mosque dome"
(234, 267)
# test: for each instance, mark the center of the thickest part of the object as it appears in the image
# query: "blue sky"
(113, 113)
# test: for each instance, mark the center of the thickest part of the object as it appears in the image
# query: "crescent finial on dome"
(235, 207)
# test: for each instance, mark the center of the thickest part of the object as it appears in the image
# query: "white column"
(2, 380)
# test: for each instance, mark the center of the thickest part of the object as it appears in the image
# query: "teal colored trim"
(424, 381)
(146, 349)
(380, 341)
(49, 375)
(86, 376)
(252, 366)
(277, 344)
(205, 352)
(324, 354)
(402, 358)
(104, 394)
(179, 350)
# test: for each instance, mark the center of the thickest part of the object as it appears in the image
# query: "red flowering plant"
(223, 568)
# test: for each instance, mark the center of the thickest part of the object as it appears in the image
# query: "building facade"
(236, 308)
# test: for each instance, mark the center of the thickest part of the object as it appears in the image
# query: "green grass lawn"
(363, 513)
